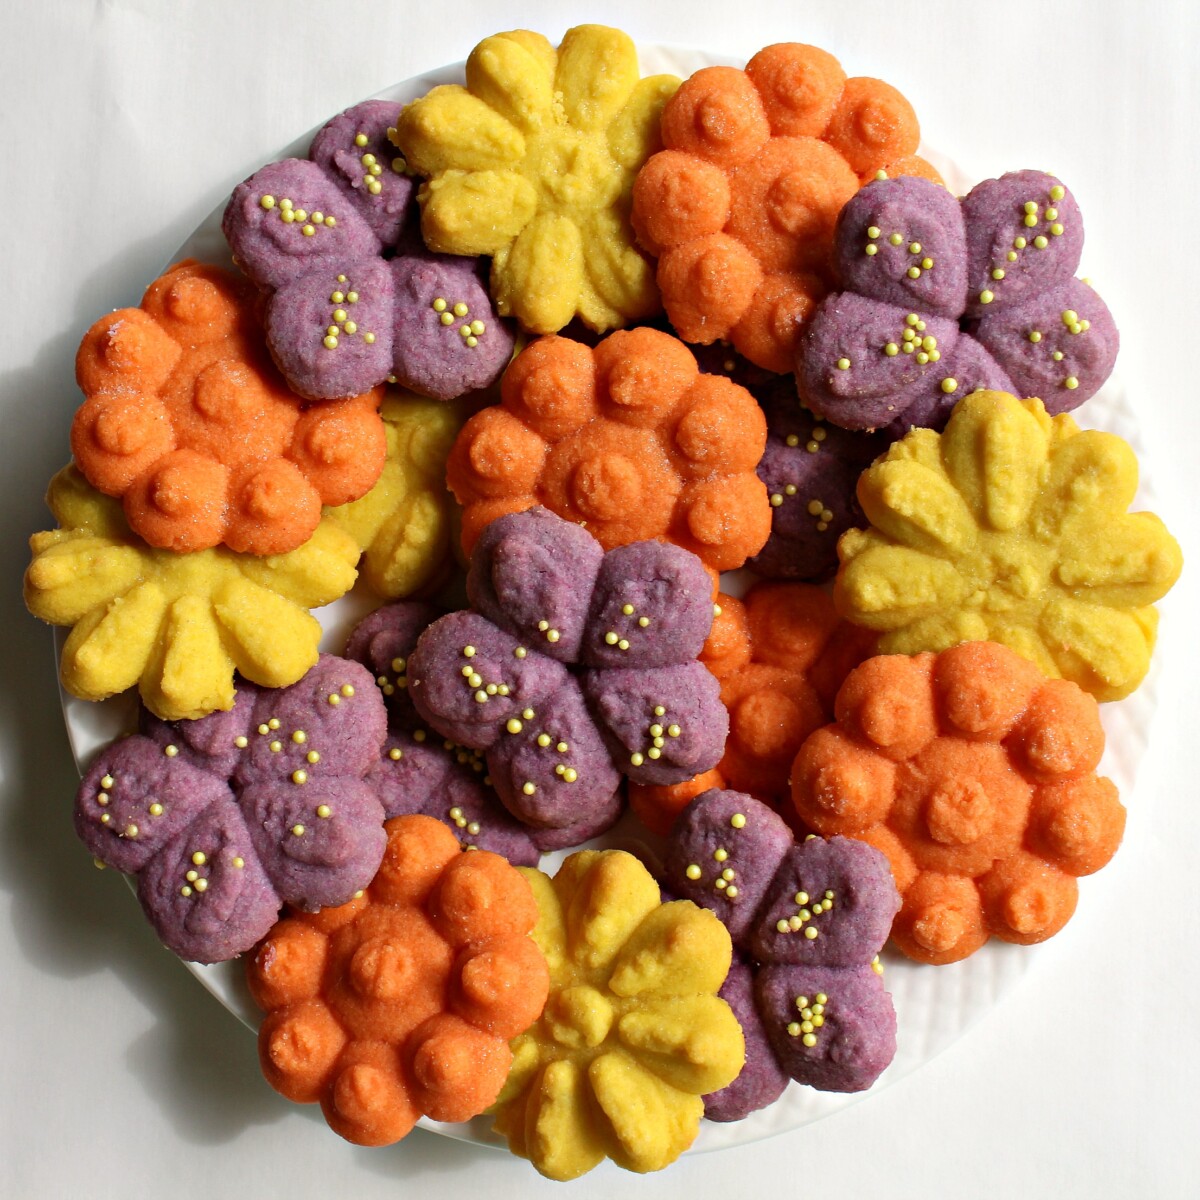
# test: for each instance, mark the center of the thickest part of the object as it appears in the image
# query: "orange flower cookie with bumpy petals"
(177, 625)
(403, 524)
(628, 439)
(797, 653)
(532, 162)
(189, 424)
(740, 207)
(403, 1001)
(1011, 526)
(975, 775)
(780, 655)
(633, 1034)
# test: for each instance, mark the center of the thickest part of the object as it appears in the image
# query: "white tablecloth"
(125, 121)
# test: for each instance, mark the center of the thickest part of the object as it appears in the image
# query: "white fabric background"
(124, 122)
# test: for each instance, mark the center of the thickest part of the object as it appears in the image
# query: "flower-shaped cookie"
(741, 204)
(532, 162)
(780, 655)
(403, 1001)
(418, 771)
(975, 775)
(315, 234)
(1011, 526)
(633, 1033)
(784, 654)
(225, 819)
(946, 296)
(495, 679)
(628, 439)
(811, 919)
(403, 523)
(177, 625)
(187, 422)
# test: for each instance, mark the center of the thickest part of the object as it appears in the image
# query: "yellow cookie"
(633, 1033)
(533, 163)
(403, 524)
(1011, 527)
(177, 625)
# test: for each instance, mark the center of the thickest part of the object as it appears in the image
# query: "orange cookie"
(189, 424)
(975, 775)
(403, 1001)
(629, 439)
(740, 206)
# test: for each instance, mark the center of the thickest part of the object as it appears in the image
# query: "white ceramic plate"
(934, 1005)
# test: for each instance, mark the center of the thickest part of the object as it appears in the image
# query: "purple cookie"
(811, 470)
(938, 305)
(761, 1081)
(419, 771)
(555, 754)
(813, 916)
(354, 151)
(227, 818)
(354, 301)
(834, 1030)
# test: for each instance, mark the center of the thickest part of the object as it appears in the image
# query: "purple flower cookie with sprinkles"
(225, 819)
(575, 668)
(418, 770)
(352, 299)
(810, 918)
(944, 297)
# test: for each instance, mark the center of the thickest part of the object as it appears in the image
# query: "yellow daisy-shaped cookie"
(177, 625)
(633, 1033)
(403, 524)
(1011, 527)
(533, 163)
